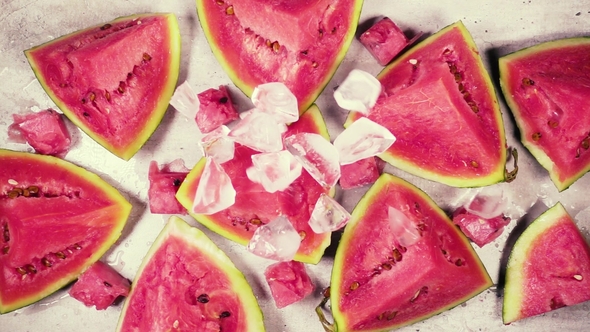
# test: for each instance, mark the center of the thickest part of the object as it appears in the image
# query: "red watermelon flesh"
(164, 184)
(360, 173)
(250, 41)
(547, 88)
(378, 284)
(45, 131)
(480, 230)
(186, 283)
(385, 40)
(288, 282)
(56, 219)
(114, 81)
(216, 108)
(100, 286)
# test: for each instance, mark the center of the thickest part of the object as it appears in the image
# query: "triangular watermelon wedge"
(299, 43)
(56, 220)
(390, 274)
(439, 102)
(114, 80)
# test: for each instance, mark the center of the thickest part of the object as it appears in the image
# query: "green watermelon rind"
(248, 89)
(498, 174)
(183, 196)
(165, 94)
(121, 204)
(356, 216)
(192, 236)
(526, 136)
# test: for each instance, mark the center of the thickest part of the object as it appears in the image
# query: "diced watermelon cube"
(480, 230)
(164, 184)
(289, 282)
(45, 131)
(360, 173)
(216, 109)
(100, 285)
(385, 40)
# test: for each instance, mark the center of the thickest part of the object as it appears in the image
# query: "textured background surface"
(497, 29)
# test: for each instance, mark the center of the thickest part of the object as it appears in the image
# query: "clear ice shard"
(364, 138)
(317, 155)
(218, 145)
(185, 101)
(328, 215)
(259, 132)
(488, 202)
(402, 227)
(274, 170)
(277, 100)
(276, 240)
(358, 92)
(215, 191)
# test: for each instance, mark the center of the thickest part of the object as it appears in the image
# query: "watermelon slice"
(384, 279)
(57, 219)
(186, 283)
(440, 104)
(100, 286)
(548, 268)
(255, 206)
(547, 88)
(115, 80)
(250, 41)
(45, 131)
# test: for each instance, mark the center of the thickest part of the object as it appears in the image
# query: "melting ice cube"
(259, 132)
(215, 191)
(358, 92)
(488, 202)
(274, 170)
(185, 100)
(317, 155)
(276, 99)
(218, 145)
(362, 139)
(276, 240)
(402, 227)
(328, 215)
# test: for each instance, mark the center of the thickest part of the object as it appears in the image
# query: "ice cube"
(276, 240)
(488, 202)
(328, 215)
(362, 139)
(317, 155)
(274, 170)
(402, 227)
(185, 101)
(215, 191)
(276, 99)
(259, 132)
(358, 92)
(218, 145)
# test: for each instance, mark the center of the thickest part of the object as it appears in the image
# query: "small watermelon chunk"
(288, 282)
(100, 286)
(480, 230)
(216, 109)
(45, 131)
(548, 268)
(164, 184)
(360, 173)
(186, 283)
(385, 40)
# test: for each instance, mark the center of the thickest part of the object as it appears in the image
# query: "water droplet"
(116, 260)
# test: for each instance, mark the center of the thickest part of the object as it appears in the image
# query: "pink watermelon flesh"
(384, 40)
(250, 39)
(164, 184)
(385, 285)
(360, 173)
(480, 230)
(216, 109)
(288, 282)
(547, 88)
(100, 286)
(45, 131)
(108, 79)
